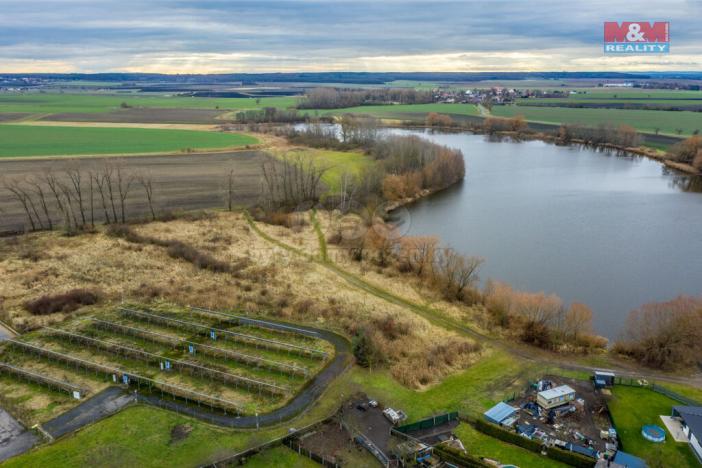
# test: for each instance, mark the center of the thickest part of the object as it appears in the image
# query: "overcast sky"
(218, 36)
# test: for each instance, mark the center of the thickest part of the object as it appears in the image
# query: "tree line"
(332, 98)
(603, 134)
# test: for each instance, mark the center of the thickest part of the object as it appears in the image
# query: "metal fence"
(643, 383)
(428, 423)
(256, 341)
(190, 346)
(294, 445)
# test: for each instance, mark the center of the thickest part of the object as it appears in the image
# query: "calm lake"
(610, 231)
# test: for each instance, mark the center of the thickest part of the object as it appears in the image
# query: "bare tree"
(294, 181)
(665, 335)
(146, 182)
(419, 253)
(230, 189)
(101, 181)
(458, 272)
(21, 195)
(578, 321)
(54, 186)
(124, 181)
(76, 178)
(42, 200)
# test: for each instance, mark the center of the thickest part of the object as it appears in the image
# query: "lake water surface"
(610, 231)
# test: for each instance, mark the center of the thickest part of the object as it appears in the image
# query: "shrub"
(177, 249)
(439, 120)
(665, 335)
(508, 436)
(366, 349)
(66, 302)
(392, 329)
(686, 151)
(569, 458)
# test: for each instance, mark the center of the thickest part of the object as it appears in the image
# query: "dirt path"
(437, 318)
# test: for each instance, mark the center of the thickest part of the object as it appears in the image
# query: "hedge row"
(555, 453)
(508, 436)
(453, 455)
(569, 458)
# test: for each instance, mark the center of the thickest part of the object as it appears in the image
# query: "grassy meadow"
(28, 140)
(40, 103)
(336, 163)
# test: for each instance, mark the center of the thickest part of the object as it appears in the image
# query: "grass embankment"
(99, 103)
(646, 121)
(28, 140)
(633, 407)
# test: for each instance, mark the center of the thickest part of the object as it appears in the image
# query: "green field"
(643, 120)
(39, 103)
(141, 436)
(631, 408)
(393, 110)
(30, 140)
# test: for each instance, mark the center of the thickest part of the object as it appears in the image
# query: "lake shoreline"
(539, 136)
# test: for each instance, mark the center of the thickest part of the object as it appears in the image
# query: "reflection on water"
(611, 230)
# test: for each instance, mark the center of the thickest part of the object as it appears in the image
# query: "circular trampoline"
(653, 433)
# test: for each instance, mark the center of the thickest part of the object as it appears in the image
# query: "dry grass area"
(303, 236)
(273, 282)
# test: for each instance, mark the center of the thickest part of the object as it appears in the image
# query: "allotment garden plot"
(219, 362)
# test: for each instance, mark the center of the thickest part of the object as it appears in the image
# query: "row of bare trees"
(295, 181)
(76, 198)
(541, 319)
(332, 98)
(621, 135)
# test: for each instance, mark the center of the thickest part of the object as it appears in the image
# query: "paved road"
(14, 437)
(303, 400)
(105, 403)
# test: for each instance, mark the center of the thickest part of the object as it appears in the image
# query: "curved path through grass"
(437, 318)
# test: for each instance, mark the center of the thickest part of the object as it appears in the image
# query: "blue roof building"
(628, 460)
(501, 414)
